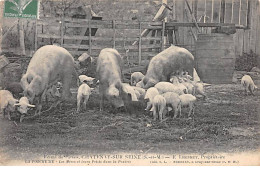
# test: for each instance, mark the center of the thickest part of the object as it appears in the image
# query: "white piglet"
(84, 92)
(7, 103)
(248, 84)
(23, 107)
(164, 87)
(86, 79)
(149, 95)
(159, 107)
(188, 100)
(173, 101)
(136, 77)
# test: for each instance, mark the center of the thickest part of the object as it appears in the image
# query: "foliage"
(247, 61)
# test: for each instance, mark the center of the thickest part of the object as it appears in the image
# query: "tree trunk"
(21, 33)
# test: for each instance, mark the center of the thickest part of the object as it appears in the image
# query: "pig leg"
(154, 113)
(8, 115)
(161, 113)
(3, 111)
(78, 104)
(191, 109)
(85, 102)
(250, 88)
(101, 103)
(149, 106)
(175, 111)
(179, 108)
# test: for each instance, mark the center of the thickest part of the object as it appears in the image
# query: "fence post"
(162, 38)
(140, 44)
(114, 33)
(89, 37)
(36, 35)
(248, 17)
(62, 30)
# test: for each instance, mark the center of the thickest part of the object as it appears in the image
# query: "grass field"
(228, 121)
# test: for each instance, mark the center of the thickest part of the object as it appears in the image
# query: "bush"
(246, 62)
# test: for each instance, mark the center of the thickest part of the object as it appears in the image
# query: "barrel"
(215, 58)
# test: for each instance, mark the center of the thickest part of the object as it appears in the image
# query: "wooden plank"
(222, 13)
(239, 12)
(243, 12)
(89, 35)
(73, 46)
(36, 36)
(228, 11)
(162, 38)
(62, 31)
(114, 34)
(232, 11)
(254, 26)
(179, 14)
(212, 11)
(200, 24)
(95, 38)
(192, 15)
(249, 14)
(140, 44)
(257, 44)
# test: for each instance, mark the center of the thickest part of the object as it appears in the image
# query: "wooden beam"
(249, 15)
(212, 10)
(232, 11)
(36, 38)
(222, 14)
(90, 41)
(162, 40)
(193, 17)
(239, 12)
(114, 34)
(140, 44)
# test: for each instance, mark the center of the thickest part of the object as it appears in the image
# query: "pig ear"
(30, 105)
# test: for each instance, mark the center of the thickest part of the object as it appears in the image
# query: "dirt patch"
(228, 121)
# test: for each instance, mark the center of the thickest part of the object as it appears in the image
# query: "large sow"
(172, 60)
(48, 65)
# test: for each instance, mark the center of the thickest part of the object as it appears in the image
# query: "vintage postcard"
(130, 82)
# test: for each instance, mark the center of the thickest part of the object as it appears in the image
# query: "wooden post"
(21, 36)
(192, 15)
(62, 30)
(239, 12)
(212, 11)
(205, 11)
(232, 11)
(192, 32)
(140, 44)
(89, 37)
(195, 9)
(222, 14)
(36, 35)
(114, 34)
(174, 10)
(248, 17)
(162, 38)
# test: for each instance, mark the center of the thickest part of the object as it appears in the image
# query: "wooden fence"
(245, 14)
(112, 36)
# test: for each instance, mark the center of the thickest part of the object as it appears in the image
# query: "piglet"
(84, 92)
(23, 107)
(248, 84)
(7, 103)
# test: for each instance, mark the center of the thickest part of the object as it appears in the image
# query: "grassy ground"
(227, 122)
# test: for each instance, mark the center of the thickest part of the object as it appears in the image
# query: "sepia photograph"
(129, 82)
